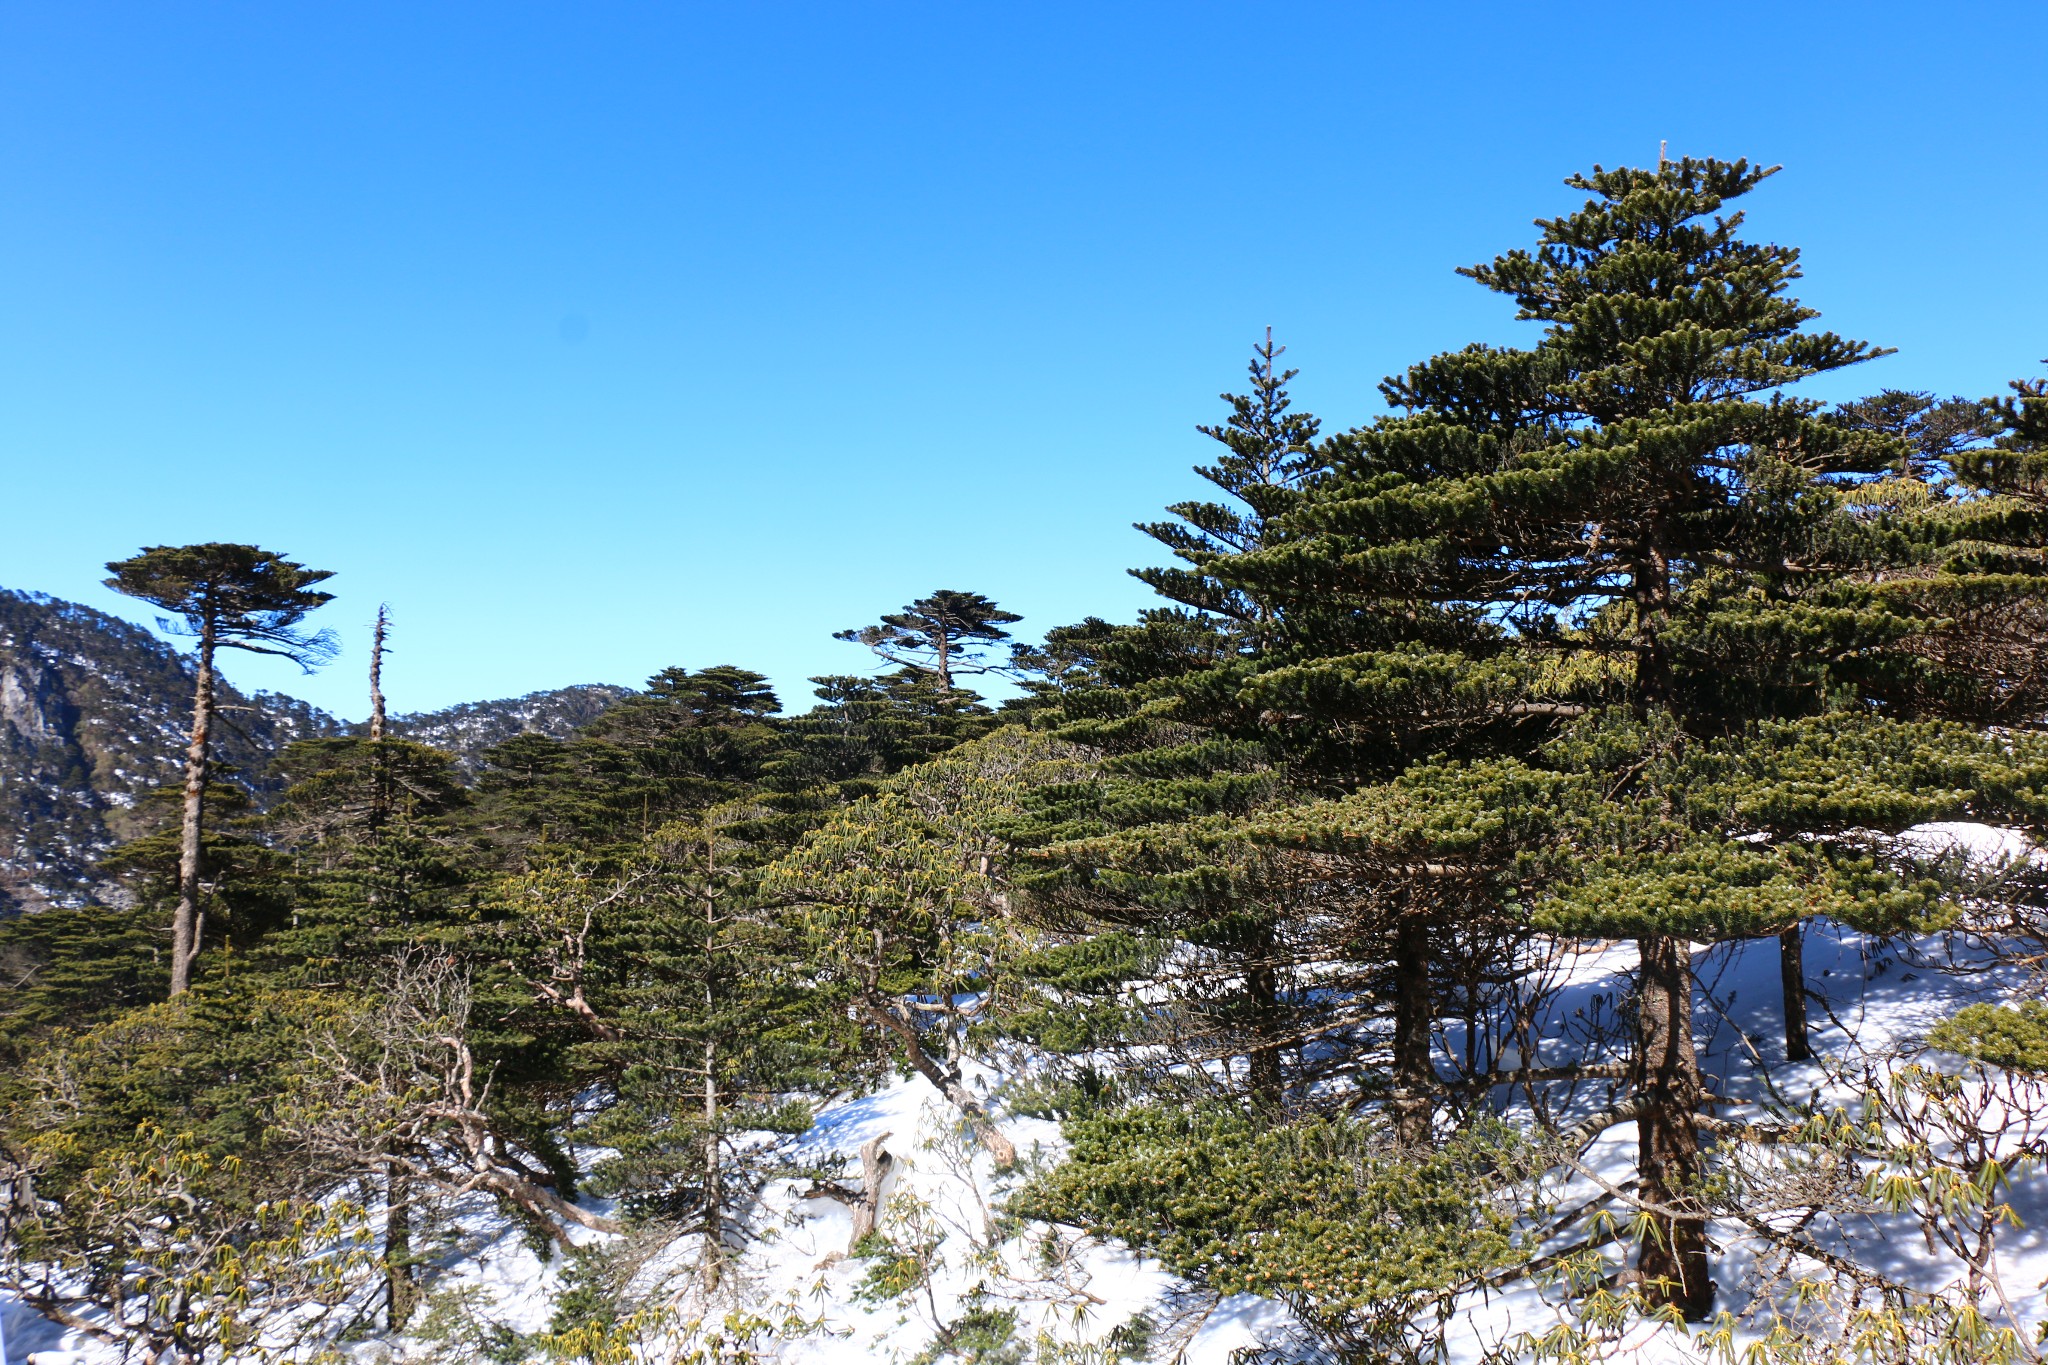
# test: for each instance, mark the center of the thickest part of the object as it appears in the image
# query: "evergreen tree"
(716, 1027)
(906, 895)
(2016, 463)
(690, 740)
(377, 863)
(1268, 451)
(865, 729)
(1160, 845)
(228, 597)
(946, 635)
(1628, 519)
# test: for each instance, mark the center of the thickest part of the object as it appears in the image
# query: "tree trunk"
(1792, 972)
(948, 1084)
(714, 1182)
(401, 1294)
(377, 673)
(714, 1173)
(1262, 1065)
(1672, 1266)
(185, 928)
(874, 1169)
(865, 1204)
(1414, 1074)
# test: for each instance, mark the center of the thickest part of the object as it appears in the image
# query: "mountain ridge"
(93, 715)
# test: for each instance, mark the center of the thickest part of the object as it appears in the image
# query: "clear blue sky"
(603, 337)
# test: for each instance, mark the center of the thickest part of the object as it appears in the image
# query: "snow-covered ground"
(809, 1301)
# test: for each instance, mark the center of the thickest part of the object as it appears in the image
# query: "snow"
(944, 1194)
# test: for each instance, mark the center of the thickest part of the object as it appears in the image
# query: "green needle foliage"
(2014, 1038)
(946, 635)
(1645, 546)
(1367, 1243)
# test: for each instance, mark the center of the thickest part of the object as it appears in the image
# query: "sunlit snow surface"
(795, 1270)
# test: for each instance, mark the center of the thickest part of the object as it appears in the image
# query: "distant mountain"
(474, 727)
(93, 714)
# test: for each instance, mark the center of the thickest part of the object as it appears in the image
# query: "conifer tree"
(946, 634)
(688, 741)
(865, 729)
(377, 862)
(1626, 521)
(228, 597)
(905, 894)
(2016, 463)
(1196, 743)
(1146, 848)
(1268, 450)
(376, 876)
(714, 1026)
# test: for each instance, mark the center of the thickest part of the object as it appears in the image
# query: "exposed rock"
(472, 728)
(93, 715)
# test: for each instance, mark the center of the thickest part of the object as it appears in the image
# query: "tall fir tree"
(947, 635)
(1154, 845)
(1640, 541)
(227, 597)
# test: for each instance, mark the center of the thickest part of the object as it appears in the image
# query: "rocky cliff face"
(93, 715)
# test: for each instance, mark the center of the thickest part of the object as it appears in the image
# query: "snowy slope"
(796, 1295)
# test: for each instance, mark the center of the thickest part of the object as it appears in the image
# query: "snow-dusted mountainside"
(93, 712)
(470, 729)
(951, 1279)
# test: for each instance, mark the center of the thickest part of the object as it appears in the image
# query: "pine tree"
(1268, 451)
(1149, 848)
(228, 597)
(1631, 542)
(946, 635)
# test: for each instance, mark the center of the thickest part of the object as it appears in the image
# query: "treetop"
(236, 595)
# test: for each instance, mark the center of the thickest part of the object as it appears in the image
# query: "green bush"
(1364, 1242)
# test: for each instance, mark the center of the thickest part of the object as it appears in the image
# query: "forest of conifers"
(1612, 654)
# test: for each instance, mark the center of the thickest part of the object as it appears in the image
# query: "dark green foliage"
(376, 866)
(2016, 463)
(688, 741)
(238, 596)
(2015, 1038)
(1604, 637)
(1363, 1242)
(1082, 985)
(75, 969)
(1269, 451)
(1188, 709)
(980, 1336)
(946, 635)
(864, 729)
(589, 1301)
(703, 1025)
